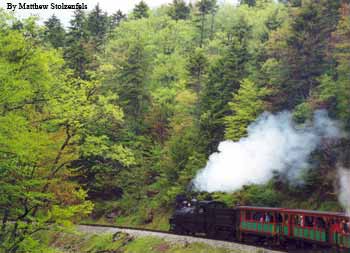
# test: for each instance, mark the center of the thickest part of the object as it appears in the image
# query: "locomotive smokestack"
(274, 143)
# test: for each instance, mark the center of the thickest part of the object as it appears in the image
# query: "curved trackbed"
(98, 229)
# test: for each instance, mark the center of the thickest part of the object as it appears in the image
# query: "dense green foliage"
(246, 106)
(122, 111)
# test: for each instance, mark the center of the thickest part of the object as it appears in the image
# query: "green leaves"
(133, 113)
(48, 119)
(101, 146)
(246, 106)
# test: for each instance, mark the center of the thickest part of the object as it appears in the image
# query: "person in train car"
(296, 220)
(267, 218)
(255, 216)
(320, 223)
(345, 227)
(337, 226)
(348, 226)
(309, 221)
(302, 222)
(261, 218)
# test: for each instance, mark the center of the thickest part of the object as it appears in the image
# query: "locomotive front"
(182, 217)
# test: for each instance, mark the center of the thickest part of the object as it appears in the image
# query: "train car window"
(261, 217)
(279, 218)
(296, 220)
(320, 223)
(269, 218)
(247, 215)
(308, 221)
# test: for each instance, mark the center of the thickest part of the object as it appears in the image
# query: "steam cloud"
(344, 193)
(274, 143)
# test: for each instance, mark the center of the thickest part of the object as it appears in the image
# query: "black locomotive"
(275, 226)
(211, 218)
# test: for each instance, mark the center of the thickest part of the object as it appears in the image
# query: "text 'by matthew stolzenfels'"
(52, 6)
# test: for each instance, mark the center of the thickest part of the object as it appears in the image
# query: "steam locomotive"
(273, 226)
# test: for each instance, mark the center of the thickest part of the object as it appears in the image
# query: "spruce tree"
(77, 53)
(213, 11)
(116, 19)
(335, 90)
(54, 32)
(292, 3)
(179, 10)
(203, 7)
(224, 78)
(132, 82)
(342, 55)
(141, 10)
(248, 2)
(98, 25)
(303, 55)
(196, 69)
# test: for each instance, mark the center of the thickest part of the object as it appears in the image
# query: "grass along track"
(171, 237)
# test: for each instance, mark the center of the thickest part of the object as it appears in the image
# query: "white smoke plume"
(274, 143)
(344, 191)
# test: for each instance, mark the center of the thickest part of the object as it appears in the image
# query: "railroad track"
(169, 236)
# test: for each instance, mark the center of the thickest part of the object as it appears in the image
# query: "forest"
(110, 118)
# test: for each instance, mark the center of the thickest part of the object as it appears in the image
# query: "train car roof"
(294, 211)
(260, 208)
(311, 212)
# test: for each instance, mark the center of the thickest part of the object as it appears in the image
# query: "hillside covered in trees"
(112, 117)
